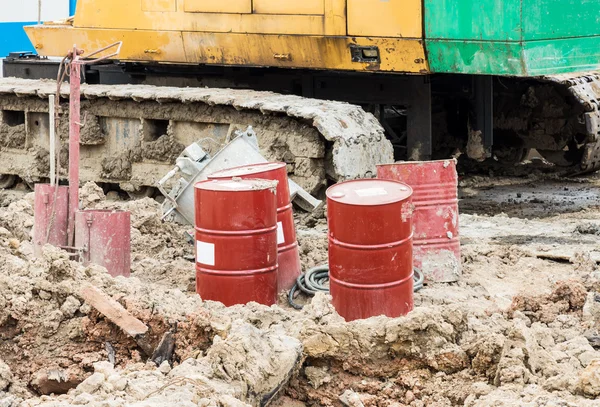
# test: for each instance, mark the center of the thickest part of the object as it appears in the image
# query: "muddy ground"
(519, 328)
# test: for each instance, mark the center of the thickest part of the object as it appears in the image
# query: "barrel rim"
(226, 173)
(259, 185)
(409, 193)
(417, 162)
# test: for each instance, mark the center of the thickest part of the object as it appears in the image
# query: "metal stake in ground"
(75, 126)
(74, 130)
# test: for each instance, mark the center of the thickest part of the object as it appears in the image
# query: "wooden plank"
(113, 311)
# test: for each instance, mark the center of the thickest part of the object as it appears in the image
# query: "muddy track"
(132, 134)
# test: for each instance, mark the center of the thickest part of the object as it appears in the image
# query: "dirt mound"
(567, 297)
(513, 331)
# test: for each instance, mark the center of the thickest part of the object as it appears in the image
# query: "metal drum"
(370, 248)
(104, 236)
(287, 244)
(50, 217)
(436, 242)
(236, 241)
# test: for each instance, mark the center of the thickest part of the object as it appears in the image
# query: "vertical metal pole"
(52, 140)
(74, 127)
(39, 12)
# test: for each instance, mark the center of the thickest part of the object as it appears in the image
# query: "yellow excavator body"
(357, 35)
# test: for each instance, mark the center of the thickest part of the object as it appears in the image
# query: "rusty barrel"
(370, 248)
(436, 242)
(236, 241)
(51, 205)
(287, 244)
(104, 237)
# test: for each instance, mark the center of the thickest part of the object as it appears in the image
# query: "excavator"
(331, 87)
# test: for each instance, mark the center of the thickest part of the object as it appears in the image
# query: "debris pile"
(479, 342)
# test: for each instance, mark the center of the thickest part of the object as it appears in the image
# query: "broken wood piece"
(118, 315)
(164, 350)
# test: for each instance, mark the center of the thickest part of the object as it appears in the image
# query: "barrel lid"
(236, 184)
(247, 170)
(369, 192)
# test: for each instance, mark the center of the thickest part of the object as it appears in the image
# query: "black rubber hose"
(315, 280)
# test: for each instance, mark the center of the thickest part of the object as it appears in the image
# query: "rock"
(70, 306)
(14, 243)
(587, 357)
(119, 383)
(91, 194)
(112, 196)
(589, 379)
(45, 295)
(164, 367)
(317, 376)
(409, 397)
(351, 399)
(82, 399)
(54, 381)
(6, 377)
(91, 384)
(26, 250)
(229, 401)
(104, 367)
(591, 308)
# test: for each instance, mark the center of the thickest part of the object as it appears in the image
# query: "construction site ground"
(520, 328)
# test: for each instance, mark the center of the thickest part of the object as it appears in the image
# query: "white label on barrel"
(371, 192)
(205, 253)
(280, 234)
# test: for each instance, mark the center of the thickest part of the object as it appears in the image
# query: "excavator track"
(585, 88)
(132, 134)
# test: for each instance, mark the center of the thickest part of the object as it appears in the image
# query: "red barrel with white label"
(236, 241)
(370, 248)
(436, 242)
(287, 244)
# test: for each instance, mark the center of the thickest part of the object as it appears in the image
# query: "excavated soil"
(520, 328)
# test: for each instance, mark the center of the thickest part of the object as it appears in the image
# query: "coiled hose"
(316, 278)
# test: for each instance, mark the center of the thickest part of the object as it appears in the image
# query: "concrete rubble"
(518, 328)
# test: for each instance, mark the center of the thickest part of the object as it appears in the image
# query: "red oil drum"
(105, 238)
(370, 248)
(436, 242)
(236, 241)
(50, 218)
(287, 244)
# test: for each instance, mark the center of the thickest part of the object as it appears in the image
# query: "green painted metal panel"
(548, 19)
(531, 58)
(473, 19)
(512, 37)
(560, 56)
(475, 57)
